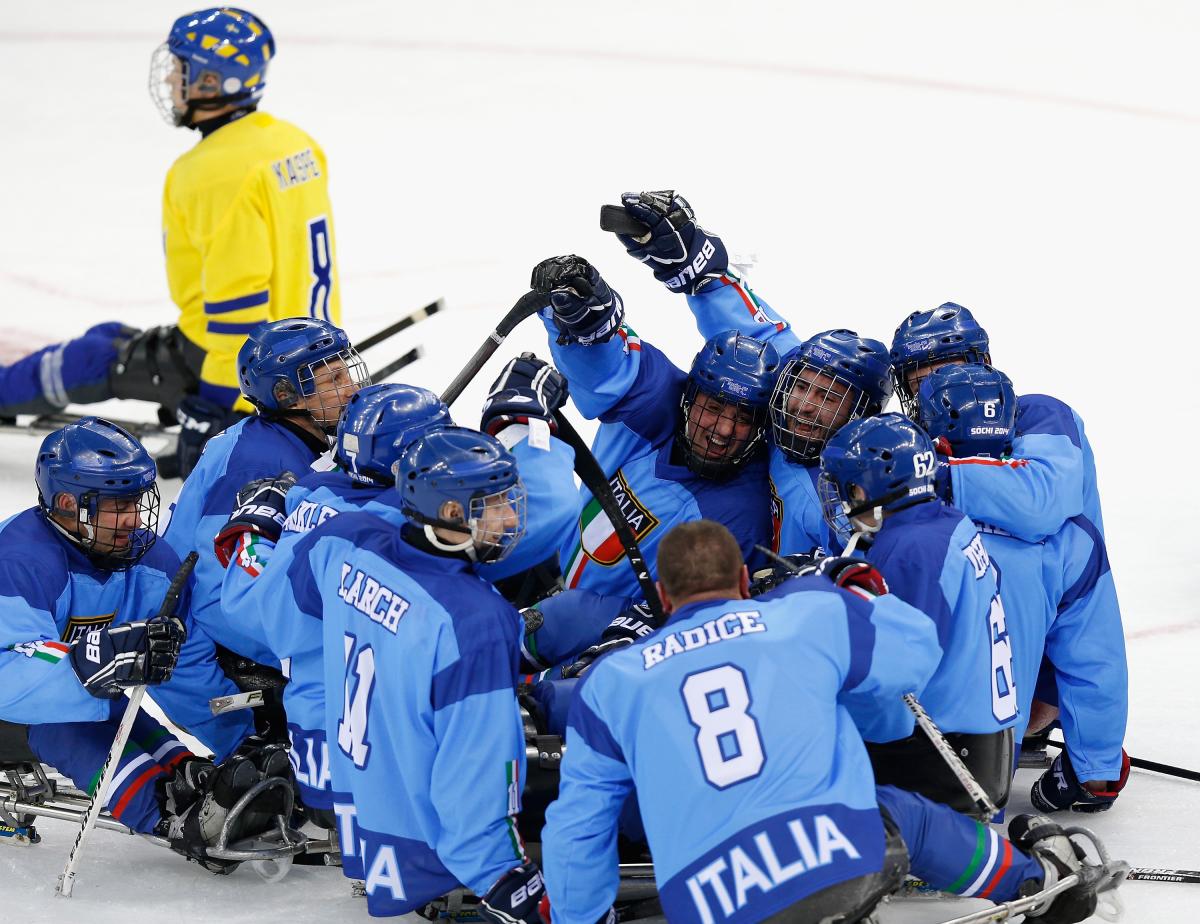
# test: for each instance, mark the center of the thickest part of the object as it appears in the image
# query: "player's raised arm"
(688, 259)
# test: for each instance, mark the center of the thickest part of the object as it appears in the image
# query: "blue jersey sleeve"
(571, 621)
(36, 677)
(1032, 495)
(730, 304)
(599, 374)
(553, 501)
(476, 719)
(580, 838)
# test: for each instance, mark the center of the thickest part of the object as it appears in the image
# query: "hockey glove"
(1058, 789)
(261, 511)
(114, 658)
(582, 306)
(852, 574)
(632, 625)
(518, 896)
(683, 256)
(199, 421)
(528, 387)
(765, 579)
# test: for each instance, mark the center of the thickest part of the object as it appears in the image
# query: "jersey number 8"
(322, 268)
(727, 738)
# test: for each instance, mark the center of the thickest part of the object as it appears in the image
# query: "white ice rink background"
(1034, 161)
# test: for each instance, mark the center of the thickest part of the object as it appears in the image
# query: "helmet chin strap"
(467, 546)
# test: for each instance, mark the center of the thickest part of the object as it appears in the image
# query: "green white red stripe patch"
(247, 555)
(750, 300)
(42, 649)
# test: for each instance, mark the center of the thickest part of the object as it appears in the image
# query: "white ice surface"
(1034, 161)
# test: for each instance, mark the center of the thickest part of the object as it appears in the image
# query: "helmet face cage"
(97, 533)
(834, 508)
(809, 404)
(334, 380)
(710, 431)
(164, 64)
(494, 532)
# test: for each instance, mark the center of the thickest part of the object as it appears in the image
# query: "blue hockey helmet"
(212, 58)
(301, 365)
(97, 486)
(836, 376)
(379, 422)
(474, 474)
(876, 464)
(725, 402)
(928, 339)
(973, 406)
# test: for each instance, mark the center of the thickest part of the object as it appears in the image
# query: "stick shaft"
(1143, 764)
(527, 304)
(953, 761)
(403, 324)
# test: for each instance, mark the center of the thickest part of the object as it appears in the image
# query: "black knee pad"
(159, 364)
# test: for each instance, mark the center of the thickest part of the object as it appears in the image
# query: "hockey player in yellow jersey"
(248, 236)
(247, 223)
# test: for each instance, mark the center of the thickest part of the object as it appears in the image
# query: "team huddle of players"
(362, 558)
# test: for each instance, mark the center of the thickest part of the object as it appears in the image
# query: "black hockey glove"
(635, 623)
(114, 658)
(528, 387)
(261, 511)
(199, 421)
(583, 307)
(683, 256)
(1059, 789)
(765, 579)
(518, 897)
(943, 484)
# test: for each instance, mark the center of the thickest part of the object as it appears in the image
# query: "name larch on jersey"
(372, 597)
(296, 169)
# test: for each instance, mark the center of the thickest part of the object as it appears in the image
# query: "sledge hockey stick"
(984, 807)
(397, 364)
(403, 324)
(66, 882)
(1149, 874)
(1141, 764)
(529, 303)
(594, 479)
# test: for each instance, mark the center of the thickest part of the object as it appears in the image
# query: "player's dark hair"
(697, 557)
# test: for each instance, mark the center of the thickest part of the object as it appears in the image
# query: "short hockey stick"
(1149, 874)
(403, 324)
(66, 882)
(529, 303)
(397, 364)
(1141, 764)
(985, 808)
(594, 479)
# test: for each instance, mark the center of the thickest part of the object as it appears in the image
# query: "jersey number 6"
(727, 738)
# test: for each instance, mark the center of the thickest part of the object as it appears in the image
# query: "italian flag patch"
(247, 555)
(42, 649)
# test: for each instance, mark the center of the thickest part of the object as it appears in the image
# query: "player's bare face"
(915, 376)
(116, 519)
(866, 521)
(818, 405)
(497, 520)
(332, 388)
(717, 429)
(175, 82)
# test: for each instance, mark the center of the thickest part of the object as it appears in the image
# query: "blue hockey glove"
(114, 658)
(261, 510)
(528, 387)
(199, 421)
(633, 624)
(1058, 789)
(583, 307)
(518, 897)
(683, 256)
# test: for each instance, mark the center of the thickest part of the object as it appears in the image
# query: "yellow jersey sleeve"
(248, 234)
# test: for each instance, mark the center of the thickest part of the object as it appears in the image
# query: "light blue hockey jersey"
(934, 559)
(423, 656)
(252, 448)
(634, 390)
(752, 780)
(51, 593)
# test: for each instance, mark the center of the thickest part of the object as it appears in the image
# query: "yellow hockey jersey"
(248, 235)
